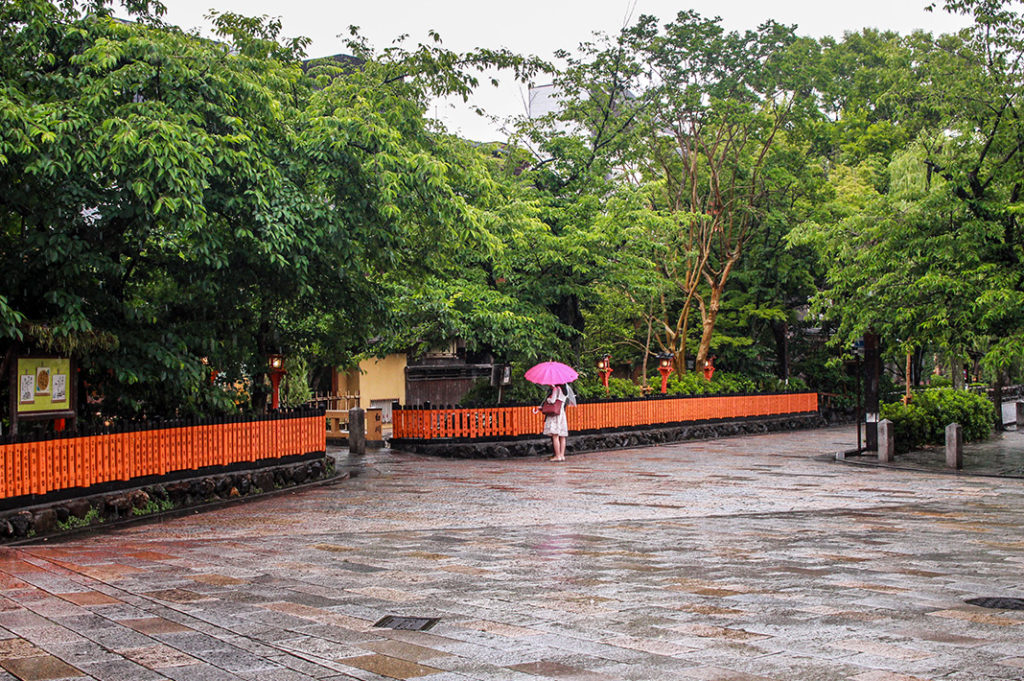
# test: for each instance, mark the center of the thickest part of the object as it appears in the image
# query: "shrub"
(773, 384)
(618, 388)
(911, 425)
(73, 522)
(924, 420)
(622, 388)
(723, 382)
(483, 394)
(153, 506)
(690, 383)
(694, 383)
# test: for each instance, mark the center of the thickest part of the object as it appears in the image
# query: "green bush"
(694, 383)
(924, 420)
(153, 506)
(74, 522)
(773, 384)
(911, 425)
(590, 388)
(690, 383)
(723, 382)
(483, 394)
(295, 390)
(940, 382)
(618, 388)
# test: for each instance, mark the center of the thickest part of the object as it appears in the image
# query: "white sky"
(540, 27)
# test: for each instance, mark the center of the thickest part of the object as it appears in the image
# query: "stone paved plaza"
(732, 560)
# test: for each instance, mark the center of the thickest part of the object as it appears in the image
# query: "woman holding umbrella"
(556, 425)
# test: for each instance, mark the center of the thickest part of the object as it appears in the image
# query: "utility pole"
(872, 371)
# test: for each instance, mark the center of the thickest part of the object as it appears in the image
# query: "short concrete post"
(954, 446)
(1020, 415)
(356, 431)
(886, 441)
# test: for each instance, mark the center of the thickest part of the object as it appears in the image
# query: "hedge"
(924, 420)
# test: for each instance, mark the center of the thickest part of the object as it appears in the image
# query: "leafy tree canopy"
(167, 199)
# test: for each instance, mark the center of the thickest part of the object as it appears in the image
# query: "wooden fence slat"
(39, 467)
(428, 424)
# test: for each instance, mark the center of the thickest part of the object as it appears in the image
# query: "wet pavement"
(739, 559)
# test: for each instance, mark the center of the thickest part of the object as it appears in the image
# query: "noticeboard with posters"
(42, 387)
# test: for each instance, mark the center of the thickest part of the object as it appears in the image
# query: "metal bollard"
(356, 431)
(886, 442)
(954, 446)
(1020, 415)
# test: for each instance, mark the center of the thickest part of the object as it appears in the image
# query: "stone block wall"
(75, 514)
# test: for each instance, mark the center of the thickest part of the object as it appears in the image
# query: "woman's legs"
(558, 444)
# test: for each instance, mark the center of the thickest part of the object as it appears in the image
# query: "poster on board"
(59, 395)
(27, 389)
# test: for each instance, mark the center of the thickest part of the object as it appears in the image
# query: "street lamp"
(213, 372)
(276, 363)
(709, 367)
(665, 368)
(604, 367)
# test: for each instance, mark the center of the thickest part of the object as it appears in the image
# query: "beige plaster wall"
(382, 379)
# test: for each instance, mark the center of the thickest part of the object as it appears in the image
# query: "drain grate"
(998, 603)
(407, 623)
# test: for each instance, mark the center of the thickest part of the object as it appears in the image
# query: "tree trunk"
(568, 311)
(906, 378)
(956, 369)
(917, 367)
(781, 332)
(997, 398)
(709, 316)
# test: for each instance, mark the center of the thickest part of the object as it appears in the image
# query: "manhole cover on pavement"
(408, 623)
(998, 603)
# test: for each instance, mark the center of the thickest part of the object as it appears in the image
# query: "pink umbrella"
(551, 373)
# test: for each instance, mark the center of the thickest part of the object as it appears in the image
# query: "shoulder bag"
(551, 408)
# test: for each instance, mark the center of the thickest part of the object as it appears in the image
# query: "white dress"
(557, 425)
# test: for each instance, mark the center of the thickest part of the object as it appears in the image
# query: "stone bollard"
(356, 431)
(886, 442)
(1020, 415)
(954, 446)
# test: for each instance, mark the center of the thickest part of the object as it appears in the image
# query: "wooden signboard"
(42, 388)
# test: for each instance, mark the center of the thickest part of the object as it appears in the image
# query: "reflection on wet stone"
(741, 559)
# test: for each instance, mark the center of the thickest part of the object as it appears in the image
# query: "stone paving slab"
(744, 559)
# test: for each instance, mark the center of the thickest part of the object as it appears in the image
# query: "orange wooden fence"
(63, 463)
(504, 422)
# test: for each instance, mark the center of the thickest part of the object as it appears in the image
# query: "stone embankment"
(80, 513)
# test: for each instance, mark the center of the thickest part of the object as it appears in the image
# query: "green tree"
(168, 199)
(921, 239)
(695, 114)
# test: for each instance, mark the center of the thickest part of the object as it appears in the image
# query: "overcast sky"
(541, 26)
